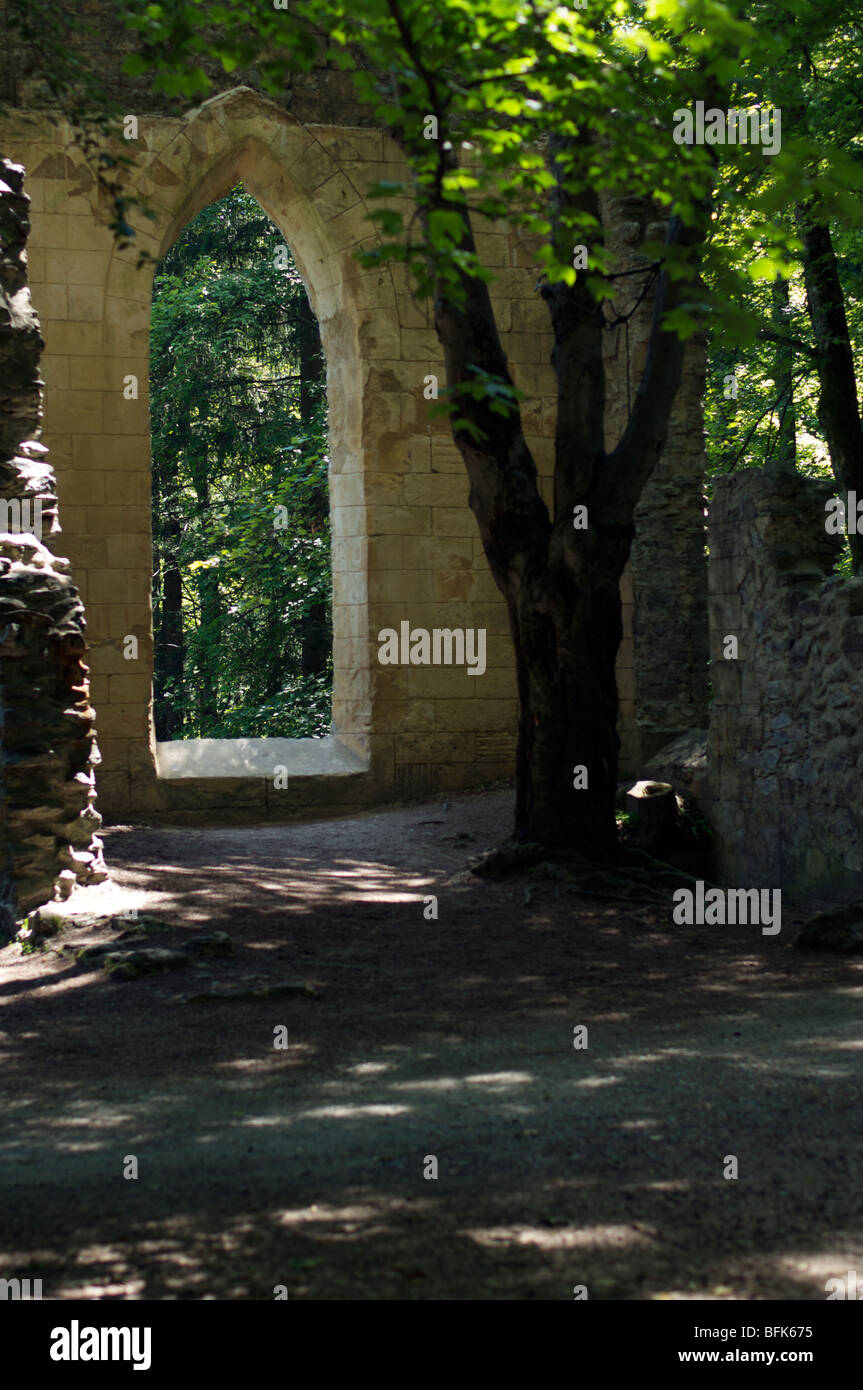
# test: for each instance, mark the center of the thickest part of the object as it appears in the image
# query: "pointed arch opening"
(242, 583)
(327, 728)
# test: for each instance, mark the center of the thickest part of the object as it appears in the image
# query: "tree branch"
(631, 463)
(769, 335)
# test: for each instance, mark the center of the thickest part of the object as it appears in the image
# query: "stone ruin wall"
(48, 820)
(662, 668)
(405, 544)
(786, 739)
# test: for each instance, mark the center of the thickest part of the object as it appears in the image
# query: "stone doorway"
(241, 573)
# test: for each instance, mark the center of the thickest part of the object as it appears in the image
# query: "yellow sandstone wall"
(405, 543)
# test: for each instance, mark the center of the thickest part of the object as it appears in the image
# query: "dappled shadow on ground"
(448, 1038)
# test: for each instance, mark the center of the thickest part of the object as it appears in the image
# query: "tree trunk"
(316, 637)
(312, 364)
(566, 653)
(785, 459)
(838, 407)
(169, 713)
(561, 582)
(209, 598)
(156, 530)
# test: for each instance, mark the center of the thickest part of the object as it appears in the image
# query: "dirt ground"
(453, 1038)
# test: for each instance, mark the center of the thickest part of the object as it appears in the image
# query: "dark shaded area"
(452, 1037)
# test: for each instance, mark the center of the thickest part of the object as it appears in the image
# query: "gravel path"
(449, 1039)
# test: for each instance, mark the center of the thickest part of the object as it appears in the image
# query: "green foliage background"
(230, 447)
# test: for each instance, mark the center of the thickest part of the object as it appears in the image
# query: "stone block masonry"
(48, 820)
(786, 739)
(662, 671)
(405, 543)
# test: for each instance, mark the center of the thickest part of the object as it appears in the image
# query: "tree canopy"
(532, 111)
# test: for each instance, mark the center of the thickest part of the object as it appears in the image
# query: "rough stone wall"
(48, 821)
(786, 739)
(405, 543)
(662, 667)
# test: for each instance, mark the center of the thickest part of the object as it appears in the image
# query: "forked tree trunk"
(561, 583)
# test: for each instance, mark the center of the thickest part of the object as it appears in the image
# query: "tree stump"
(654, 806)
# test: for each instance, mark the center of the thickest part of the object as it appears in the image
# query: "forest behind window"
(241, 527)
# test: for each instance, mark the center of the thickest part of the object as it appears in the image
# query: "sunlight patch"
(499, 1078)
(301, 1215)
(249, 1063)
(819, 1268)
(452, 1083)
(347, 1112)
(441, 1083)
(567, 1238)
(131, 1288)
(640, 1059)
